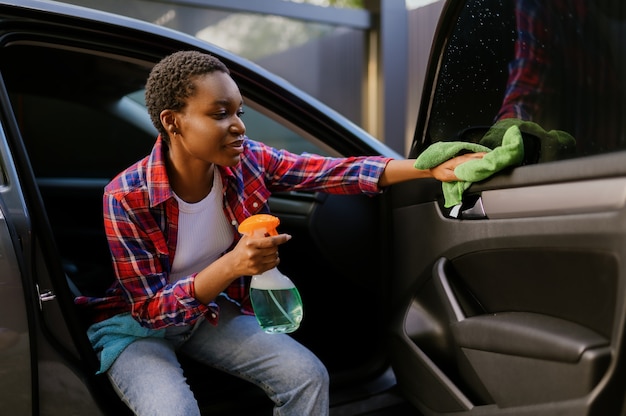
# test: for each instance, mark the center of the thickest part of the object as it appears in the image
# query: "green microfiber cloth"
(509, 153)
(553, 144)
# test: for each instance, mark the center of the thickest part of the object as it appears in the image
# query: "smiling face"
(208, 129)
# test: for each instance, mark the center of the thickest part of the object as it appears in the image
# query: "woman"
(171, 222)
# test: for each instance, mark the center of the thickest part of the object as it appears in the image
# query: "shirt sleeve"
(141, 263)
(286, 171)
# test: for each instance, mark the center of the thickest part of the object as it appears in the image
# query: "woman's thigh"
(275, 362)
(149, 379)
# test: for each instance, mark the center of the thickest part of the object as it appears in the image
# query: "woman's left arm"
(398, 171)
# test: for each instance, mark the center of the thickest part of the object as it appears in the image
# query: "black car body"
(511, 305)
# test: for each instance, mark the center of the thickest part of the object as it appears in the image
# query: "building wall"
(331, 69)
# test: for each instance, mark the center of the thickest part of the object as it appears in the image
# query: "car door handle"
(453, 308)
(472, 208)
(474, 211)
(45, 296)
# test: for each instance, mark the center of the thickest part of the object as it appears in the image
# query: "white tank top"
(204, 232)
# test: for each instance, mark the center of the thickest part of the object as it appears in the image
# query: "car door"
(15, 341)
(513, 301)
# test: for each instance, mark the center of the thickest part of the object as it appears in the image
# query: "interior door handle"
(470, 209)
(44, 296)
(446, 292)
(475, 211)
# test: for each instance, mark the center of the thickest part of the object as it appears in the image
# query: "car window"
(94, 143)
(84, 116)
(556, 63)
(71, 109)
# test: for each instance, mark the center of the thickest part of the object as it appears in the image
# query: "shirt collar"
(159, 189)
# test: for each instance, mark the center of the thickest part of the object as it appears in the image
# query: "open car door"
(513, 301)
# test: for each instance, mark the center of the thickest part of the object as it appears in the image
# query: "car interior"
(81, 121)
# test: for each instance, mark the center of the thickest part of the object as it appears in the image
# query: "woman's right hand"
(254, 255)
(251, 256)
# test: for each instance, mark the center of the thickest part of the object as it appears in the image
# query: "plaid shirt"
(141, 224)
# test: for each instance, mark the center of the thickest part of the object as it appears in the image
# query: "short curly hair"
(171, 82)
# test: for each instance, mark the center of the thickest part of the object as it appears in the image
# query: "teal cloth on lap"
(111, 336)
(509, 153)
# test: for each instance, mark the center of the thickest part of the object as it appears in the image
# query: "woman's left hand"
(445, 171)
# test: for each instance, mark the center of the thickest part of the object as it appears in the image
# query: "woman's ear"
(168, 120)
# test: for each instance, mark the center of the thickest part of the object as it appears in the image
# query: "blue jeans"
(149, 378)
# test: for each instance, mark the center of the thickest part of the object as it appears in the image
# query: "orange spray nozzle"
(259, 223)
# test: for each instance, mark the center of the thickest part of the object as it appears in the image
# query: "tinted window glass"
(84, 116)
(96, 143)
(556, 63)
(72, 111)
(473, 71)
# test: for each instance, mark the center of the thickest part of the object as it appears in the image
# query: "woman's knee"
(316, 370)
(305, 388)
(307, 369)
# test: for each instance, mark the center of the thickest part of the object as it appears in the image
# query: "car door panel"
(521, 311)
(513, 302)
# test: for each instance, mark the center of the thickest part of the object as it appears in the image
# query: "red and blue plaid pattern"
(141, 224)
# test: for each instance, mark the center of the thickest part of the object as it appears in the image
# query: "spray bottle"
(275, 299)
